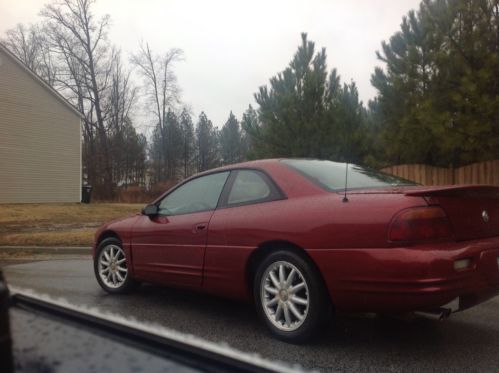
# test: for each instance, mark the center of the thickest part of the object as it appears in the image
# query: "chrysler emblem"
(485, 216)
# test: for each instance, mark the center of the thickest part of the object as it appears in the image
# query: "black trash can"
(86, 193)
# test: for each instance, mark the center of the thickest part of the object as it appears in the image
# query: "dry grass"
(62, 224)
(82, 237)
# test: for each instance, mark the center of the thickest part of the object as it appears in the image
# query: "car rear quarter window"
(249, 186)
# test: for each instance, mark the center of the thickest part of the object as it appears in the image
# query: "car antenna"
(345, 199)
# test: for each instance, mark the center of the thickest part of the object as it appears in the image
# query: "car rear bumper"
(415, 278)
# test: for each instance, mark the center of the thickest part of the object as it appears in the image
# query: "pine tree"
(438, 100)
(166, 150)
(207, 144)
(188, 142)
(173, 148)
(306, 112)
(156, 155)
(128, 155)
(230, 141)
(249, 124)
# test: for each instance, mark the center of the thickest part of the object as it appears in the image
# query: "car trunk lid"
(473, 210)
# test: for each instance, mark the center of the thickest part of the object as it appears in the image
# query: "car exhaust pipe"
(439, 314)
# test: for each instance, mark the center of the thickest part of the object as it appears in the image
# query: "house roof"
(40, 81)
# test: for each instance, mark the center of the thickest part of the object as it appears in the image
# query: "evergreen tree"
(156, 155)
(207, 144)
(173, 146)
(306, 112)
(166, 150)
(438, 99)
(128, 155)
(350, 126)
(230, 141)
(188, 143)
(249, 124)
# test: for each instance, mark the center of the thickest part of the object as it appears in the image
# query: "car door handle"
(200, 227)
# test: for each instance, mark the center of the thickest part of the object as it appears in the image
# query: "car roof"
(272, 166)
(259, 163)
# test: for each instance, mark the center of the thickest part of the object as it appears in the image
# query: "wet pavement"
(468, 341)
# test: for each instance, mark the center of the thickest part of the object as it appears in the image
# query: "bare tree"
(159, 79)
(29, 45)
(71, 51)
(128, 148)
(79, 40)
(162, 94)
(23, 42)
(121, 95)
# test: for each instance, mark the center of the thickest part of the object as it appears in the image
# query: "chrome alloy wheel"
(112, 266)
(284, 295)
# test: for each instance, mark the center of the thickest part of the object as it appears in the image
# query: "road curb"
(58, 250)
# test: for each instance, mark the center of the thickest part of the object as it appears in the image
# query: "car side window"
(249, 186)
(200, 194)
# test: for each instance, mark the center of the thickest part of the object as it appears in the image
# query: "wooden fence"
(476, 173)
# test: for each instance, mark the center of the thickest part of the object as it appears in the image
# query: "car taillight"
(420, 224)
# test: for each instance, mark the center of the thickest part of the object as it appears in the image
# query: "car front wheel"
(290, 297)
(111, 267)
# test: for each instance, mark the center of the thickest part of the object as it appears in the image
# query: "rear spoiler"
(477, 191)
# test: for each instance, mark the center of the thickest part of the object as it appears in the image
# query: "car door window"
(249, 186)
(200, 194)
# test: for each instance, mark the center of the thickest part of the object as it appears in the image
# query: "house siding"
(40, 141)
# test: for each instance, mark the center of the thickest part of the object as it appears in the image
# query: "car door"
(244, 218)
(169, 247)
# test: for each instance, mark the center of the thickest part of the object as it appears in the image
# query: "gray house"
(40, 138)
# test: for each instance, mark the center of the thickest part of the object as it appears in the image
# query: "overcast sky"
(232, 47)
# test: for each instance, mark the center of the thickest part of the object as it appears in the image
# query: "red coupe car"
(303, 238)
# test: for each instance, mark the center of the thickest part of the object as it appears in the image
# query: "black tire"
(125, 286)
(316, 315)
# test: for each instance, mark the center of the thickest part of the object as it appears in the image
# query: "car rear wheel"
(111, 267)
(290, 297)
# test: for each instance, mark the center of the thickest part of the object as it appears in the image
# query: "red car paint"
(347, 241)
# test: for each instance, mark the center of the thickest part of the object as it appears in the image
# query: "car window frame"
(276, 192)
(157, 202)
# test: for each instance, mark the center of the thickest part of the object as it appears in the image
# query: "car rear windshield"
(331, 175)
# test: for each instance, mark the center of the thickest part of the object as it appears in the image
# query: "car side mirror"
(150, 210)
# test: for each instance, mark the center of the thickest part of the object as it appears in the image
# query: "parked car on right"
(300, 237)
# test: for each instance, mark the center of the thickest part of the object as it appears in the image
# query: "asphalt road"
(468, 341)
